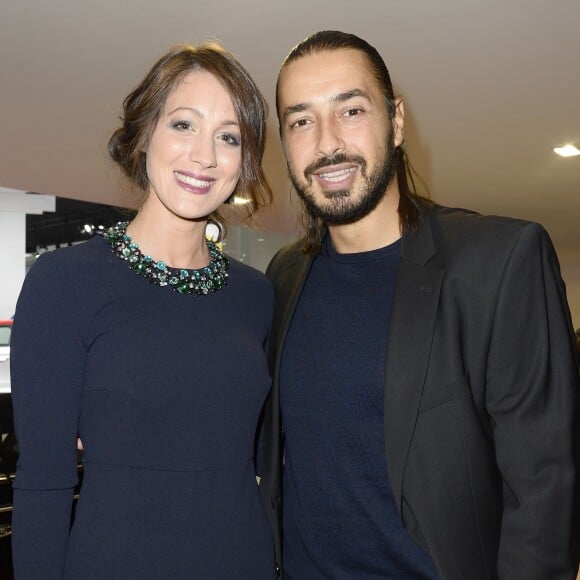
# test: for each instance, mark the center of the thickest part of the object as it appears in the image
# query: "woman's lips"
(199, 183)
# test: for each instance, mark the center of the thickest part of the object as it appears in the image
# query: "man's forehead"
(326, 75)
(334, 59)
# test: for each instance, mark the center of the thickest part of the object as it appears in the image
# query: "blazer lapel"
(408, 346)
(288, 289)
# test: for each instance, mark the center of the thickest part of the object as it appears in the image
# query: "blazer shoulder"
(286, 258)
(461, 218)
(472, 241)
(461, 226)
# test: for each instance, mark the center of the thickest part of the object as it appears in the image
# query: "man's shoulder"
(465, 218)
(287, 258)
(459, 232)
(458, 223)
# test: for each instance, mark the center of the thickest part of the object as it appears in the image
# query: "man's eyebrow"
(338, 98)
(299, 108)
(341, 97)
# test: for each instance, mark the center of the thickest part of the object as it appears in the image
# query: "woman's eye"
(230, 139)
(182, 125)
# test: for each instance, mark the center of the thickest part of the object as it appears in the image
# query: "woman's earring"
(214, 231)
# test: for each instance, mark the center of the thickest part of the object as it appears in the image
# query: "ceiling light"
(567, 151)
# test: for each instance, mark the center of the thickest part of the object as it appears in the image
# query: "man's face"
(337, 137)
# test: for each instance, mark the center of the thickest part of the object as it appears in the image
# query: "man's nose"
(330, 140)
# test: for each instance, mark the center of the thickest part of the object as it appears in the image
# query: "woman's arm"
(48, 361)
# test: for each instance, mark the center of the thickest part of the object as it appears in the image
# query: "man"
(425, 396)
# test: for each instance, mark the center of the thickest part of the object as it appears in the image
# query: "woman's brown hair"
(142, 108)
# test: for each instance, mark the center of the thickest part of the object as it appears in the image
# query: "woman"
(148, 344)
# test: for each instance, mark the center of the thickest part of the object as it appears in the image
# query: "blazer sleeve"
(532, 397)
(48, 360)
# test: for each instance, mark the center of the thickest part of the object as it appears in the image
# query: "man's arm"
(533, 399)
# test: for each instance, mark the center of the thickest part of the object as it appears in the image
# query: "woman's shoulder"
(247, 273)
(93, 249)
(71, 265)
(66, 282)
(249, 279)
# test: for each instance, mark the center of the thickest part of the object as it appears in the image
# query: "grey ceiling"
(490, 87)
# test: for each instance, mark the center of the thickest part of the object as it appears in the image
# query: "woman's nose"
(202, 151)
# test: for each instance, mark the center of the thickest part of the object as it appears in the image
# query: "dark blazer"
(481, 404)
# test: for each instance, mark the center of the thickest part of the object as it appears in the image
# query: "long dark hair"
(410, 201)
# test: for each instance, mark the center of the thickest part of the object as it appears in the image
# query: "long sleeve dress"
(165, 391)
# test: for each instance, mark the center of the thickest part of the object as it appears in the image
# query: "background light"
(567, 151)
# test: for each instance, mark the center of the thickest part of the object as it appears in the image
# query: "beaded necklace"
(197, 282)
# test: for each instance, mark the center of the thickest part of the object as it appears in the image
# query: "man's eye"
(299, 123)
(353, 112)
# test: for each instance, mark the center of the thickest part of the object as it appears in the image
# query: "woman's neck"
(178, 242)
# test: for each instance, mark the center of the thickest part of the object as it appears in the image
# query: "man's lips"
(335, 173)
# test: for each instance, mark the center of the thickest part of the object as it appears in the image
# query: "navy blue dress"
(165, 391)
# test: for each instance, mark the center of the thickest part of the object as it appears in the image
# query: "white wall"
(12, 266)
(571, 274)
(14, 205)
(254, 247)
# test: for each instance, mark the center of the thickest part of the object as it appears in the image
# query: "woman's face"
(194, 156)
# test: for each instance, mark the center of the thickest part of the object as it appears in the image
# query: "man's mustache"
(333, 160)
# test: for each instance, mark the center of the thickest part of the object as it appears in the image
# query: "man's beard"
(346, 208)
